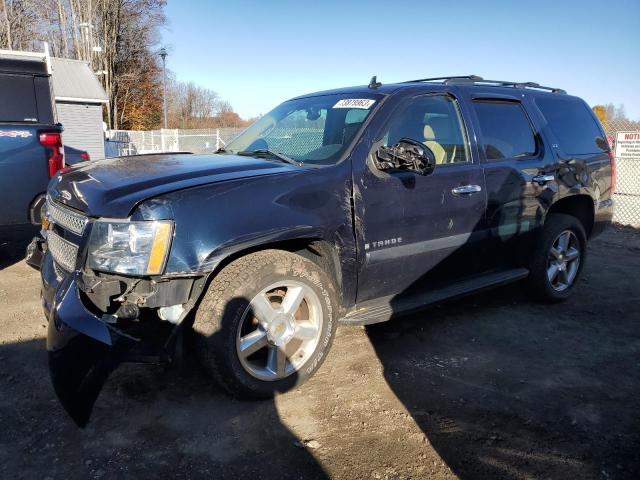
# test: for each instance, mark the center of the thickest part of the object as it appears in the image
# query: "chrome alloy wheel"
(564, 261)
(279, 330)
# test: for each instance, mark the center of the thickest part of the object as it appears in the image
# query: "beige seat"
(437, 149)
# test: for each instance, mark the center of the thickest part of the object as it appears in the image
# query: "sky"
(256, 54)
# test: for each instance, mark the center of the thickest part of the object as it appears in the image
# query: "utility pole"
(163, 54)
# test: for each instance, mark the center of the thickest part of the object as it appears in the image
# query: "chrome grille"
(65, 217)
(64, 253)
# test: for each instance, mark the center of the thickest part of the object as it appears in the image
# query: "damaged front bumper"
(84, 345)
(83, 350)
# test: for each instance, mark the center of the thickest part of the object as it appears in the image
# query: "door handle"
(466, 190)
(541, 179)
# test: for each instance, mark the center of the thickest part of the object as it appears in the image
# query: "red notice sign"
(628, 145)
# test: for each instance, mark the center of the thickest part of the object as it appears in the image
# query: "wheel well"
(320, 252)
(579, 206)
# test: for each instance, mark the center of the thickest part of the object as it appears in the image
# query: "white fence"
(135, 142)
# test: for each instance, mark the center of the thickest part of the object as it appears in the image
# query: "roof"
(74, 81)
(471, 82)
(27, 63)
(384, 89)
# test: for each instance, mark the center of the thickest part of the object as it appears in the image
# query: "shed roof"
(74, 81)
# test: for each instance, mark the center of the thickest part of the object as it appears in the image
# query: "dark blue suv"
(347, 206)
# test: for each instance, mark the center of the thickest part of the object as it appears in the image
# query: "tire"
(233, 314)
(544, 285)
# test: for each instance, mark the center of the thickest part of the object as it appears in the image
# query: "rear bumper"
(603, 216)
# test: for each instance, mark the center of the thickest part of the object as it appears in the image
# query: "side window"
(572, 123)
(18, 99)
(506, 131)
(435, 121)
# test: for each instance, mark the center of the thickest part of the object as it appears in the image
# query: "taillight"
(53, 142)
(85, 156)
(612, 159)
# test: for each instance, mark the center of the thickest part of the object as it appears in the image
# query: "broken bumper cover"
(83, 350)
(35, 252)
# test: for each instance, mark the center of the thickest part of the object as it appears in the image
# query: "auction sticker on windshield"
(354, 103)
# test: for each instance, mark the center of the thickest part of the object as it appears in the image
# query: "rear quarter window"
(573, 124)
(18, 99)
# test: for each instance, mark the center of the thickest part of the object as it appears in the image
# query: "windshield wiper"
(263, 152)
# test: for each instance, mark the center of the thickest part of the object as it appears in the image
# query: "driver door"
(420, 232)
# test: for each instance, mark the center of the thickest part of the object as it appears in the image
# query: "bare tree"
(615, 113)
(193, 106)
(7, 25)
(18, 23)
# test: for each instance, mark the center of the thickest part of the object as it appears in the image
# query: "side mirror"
(407, 154)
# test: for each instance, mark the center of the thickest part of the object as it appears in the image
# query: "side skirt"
(386, 308)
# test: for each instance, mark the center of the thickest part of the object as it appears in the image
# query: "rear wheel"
(266, 323)
(558, 259)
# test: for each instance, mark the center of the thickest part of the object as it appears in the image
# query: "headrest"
(428, 133)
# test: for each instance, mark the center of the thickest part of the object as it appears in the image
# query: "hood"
(114, 186)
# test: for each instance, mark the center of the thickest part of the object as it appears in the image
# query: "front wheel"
(266, 323)
(558, 258)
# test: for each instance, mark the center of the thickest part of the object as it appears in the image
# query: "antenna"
(374, 83)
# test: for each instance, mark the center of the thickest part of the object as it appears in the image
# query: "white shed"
(79, 98)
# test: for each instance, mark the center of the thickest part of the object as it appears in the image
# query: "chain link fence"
(624, 138)
(136, 142)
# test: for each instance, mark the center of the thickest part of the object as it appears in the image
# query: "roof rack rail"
(455, 79)
(477, 79)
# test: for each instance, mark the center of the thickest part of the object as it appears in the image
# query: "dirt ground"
(492, 386)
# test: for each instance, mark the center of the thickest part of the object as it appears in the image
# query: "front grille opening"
(64, 253)
(66, 218)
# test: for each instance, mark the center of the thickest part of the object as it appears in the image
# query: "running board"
(385, 308)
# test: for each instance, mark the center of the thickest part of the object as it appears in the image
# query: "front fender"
(218, 220)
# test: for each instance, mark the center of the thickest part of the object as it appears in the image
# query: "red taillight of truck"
(52, 141)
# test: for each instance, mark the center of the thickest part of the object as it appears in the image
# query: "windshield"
(314, 130)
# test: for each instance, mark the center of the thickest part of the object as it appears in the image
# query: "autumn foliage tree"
(601, 113)
(119, 38)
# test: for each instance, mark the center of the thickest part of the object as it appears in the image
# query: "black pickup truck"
(348, 206)
(31, 149)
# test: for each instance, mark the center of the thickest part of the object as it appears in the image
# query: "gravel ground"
(491, 386)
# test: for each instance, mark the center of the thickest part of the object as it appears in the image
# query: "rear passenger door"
(513, 155)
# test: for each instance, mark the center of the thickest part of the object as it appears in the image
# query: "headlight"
(134, 248)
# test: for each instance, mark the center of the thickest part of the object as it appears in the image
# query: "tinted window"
(506, 131)
(572, 123)
(435, 121)
(18, 99)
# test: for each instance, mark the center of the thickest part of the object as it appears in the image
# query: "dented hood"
(114, 186)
